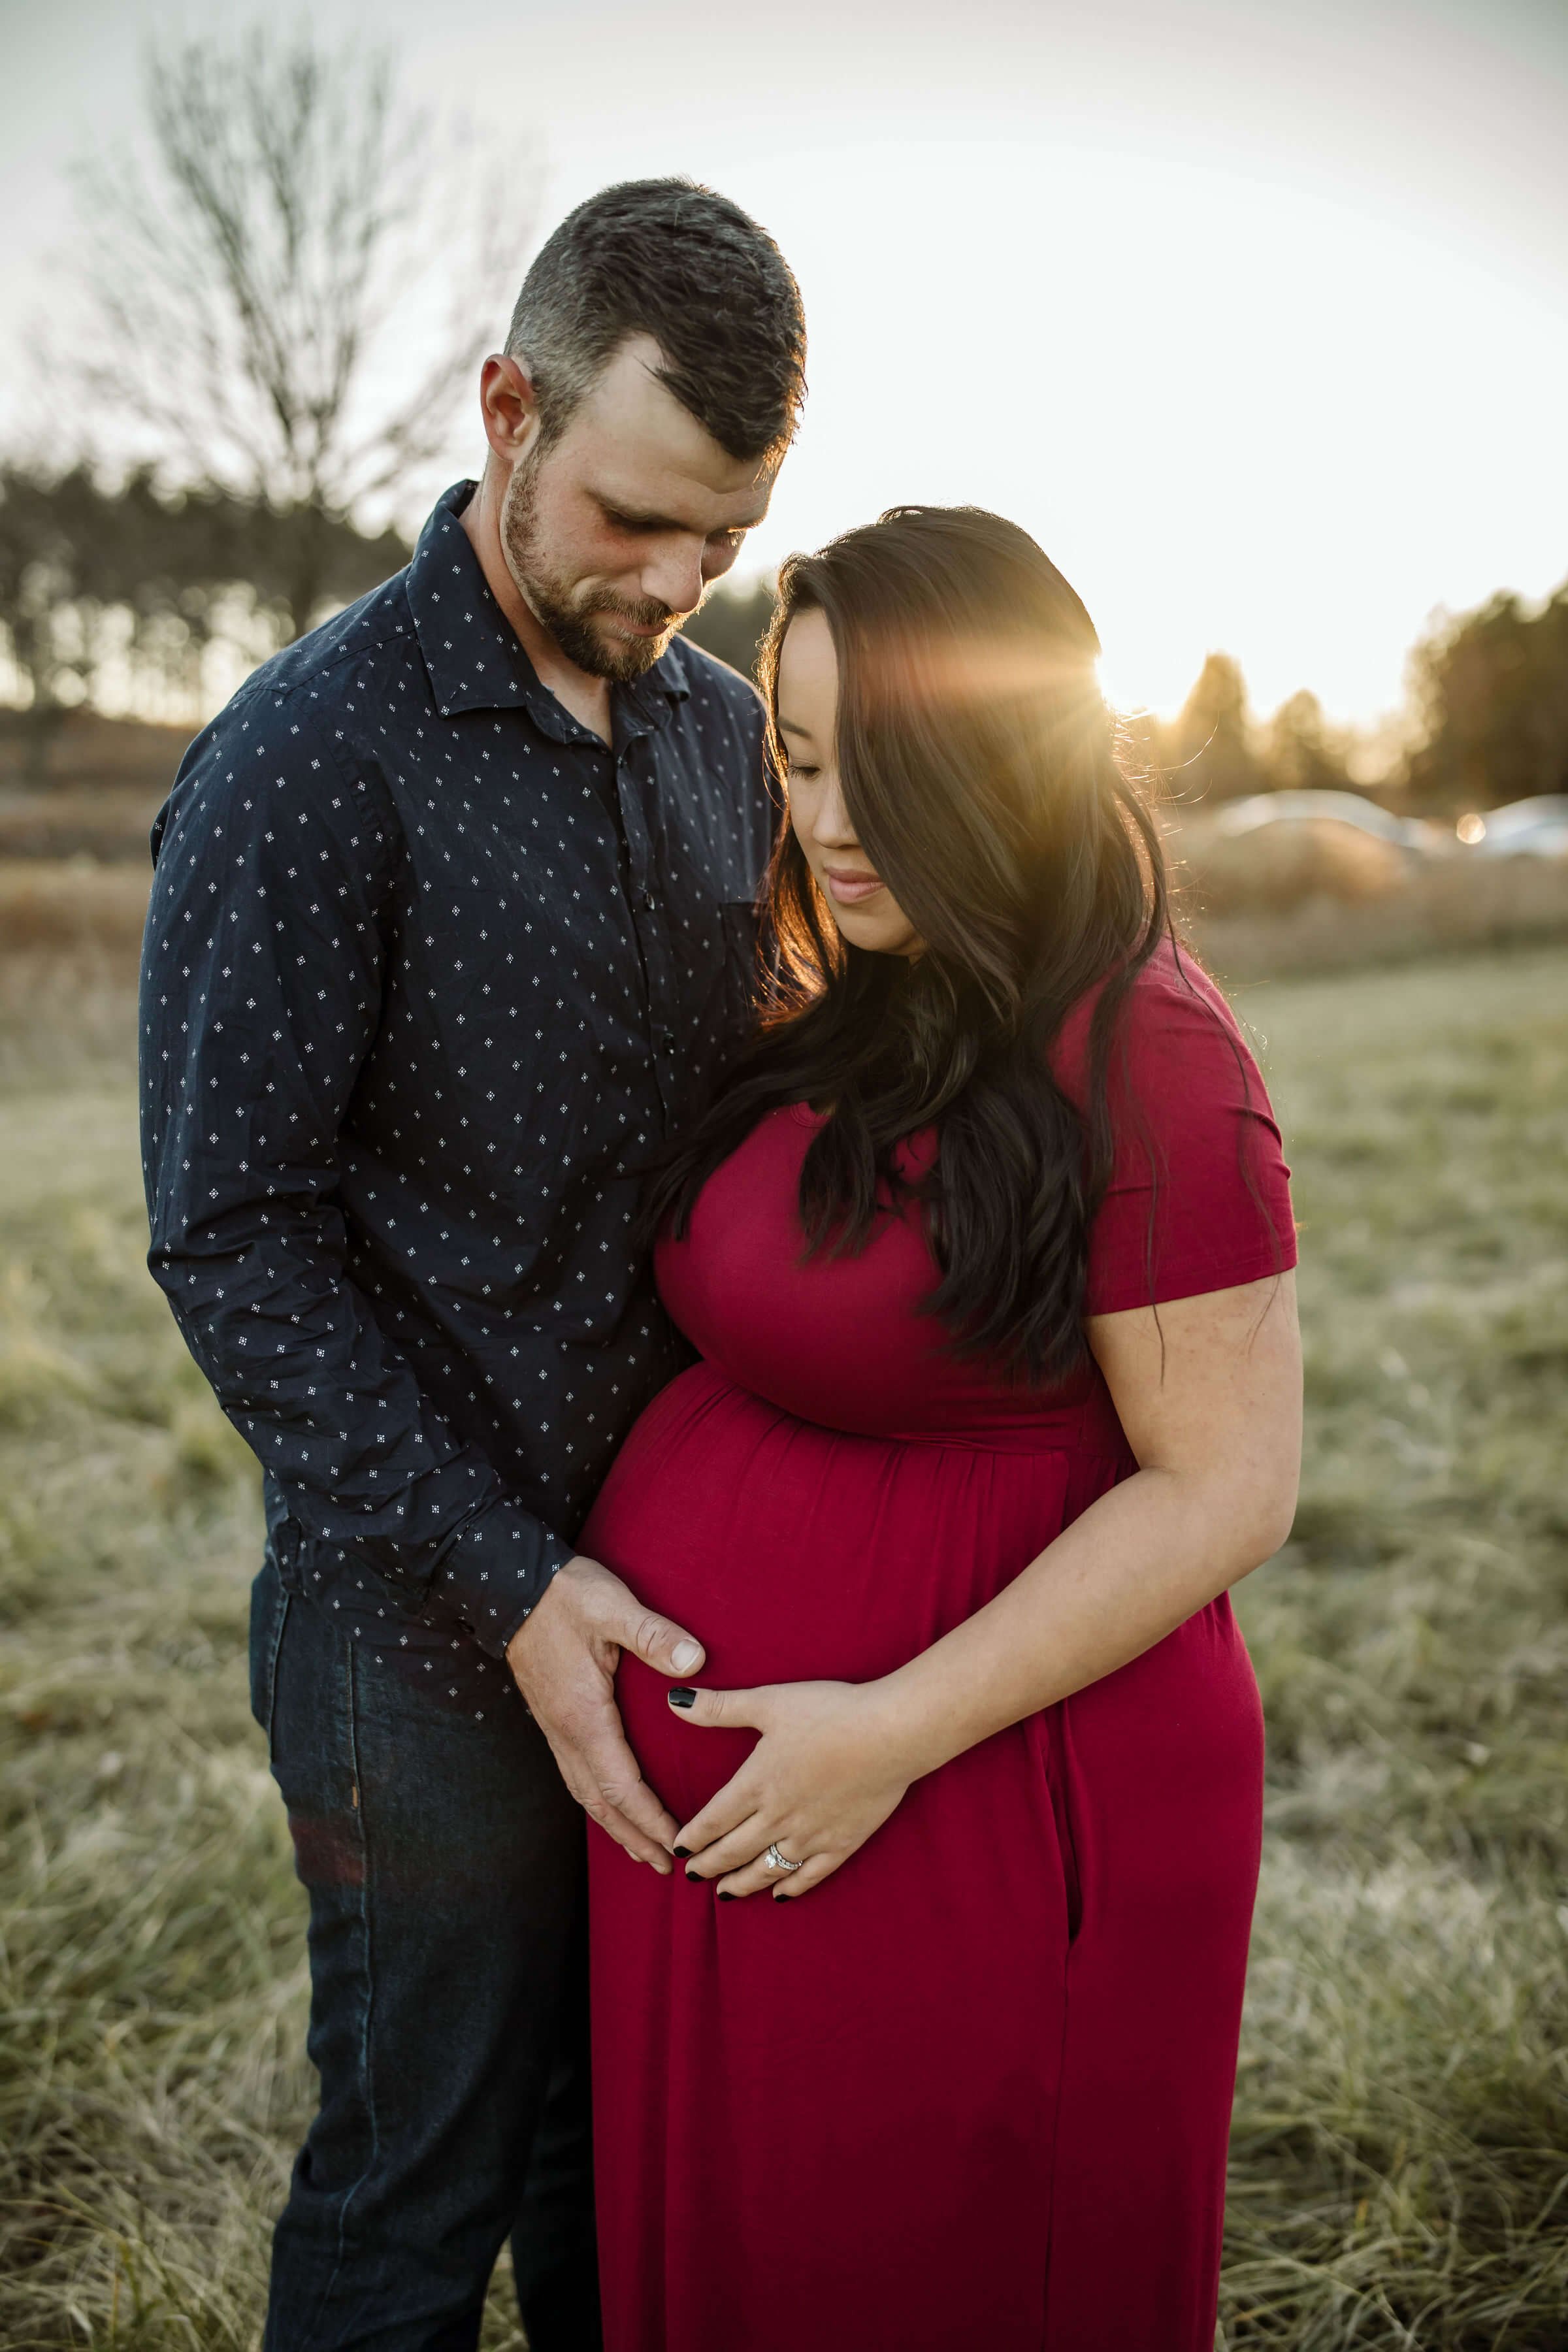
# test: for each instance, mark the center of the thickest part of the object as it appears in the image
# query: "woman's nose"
(831, 827)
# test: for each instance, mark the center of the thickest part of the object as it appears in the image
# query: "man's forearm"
(257, 1028)
(336, 1416)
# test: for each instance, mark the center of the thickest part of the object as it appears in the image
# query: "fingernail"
(725, 1898)
(684, 1656)
(681, 1696)
(681, 1852)
(695, 1876)
(784, 1898)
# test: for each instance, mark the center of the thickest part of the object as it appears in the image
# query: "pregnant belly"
(792, 1552)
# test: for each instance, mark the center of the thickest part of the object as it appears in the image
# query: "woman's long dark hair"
(978, 766)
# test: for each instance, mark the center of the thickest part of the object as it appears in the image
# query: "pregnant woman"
(929, 2044)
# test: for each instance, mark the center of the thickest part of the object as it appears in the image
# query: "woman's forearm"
(1137, 1562)
(1208, 1393)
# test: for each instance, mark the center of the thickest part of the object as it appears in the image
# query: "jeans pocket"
(268, 1615)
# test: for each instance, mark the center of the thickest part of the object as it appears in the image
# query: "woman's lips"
(849, 887)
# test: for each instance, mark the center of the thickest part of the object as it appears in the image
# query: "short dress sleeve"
(1199, 1196)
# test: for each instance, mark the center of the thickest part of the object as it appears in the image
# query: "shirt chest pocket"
(528, 967)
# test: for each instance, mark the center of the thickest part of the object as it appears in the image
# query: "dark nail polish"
(681, 1696)
(725, 1898)
(784, 1898)
(695, 1876)
(681, 1852)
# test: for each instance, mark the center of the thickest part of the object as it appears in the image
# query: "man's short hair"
(669, 259)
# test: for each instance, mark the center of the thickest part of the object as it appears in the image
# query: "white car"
(1537, 827)
(1334, 808)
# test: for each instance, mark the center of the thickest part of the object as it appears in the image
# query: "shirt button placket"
(646, 919)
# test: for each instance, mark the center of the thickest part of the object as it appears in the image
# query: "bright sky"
(1256, 315)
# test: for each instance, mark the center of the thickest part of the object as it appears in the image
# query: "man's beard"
(569, 617)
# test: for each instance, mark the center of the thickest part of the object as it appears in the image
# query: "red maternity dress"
(972, 2093)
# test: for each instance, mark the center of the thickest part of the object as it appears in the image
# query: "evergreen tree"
(1492, 686)
(1210, 749)
(733, 622)
(1300, 752)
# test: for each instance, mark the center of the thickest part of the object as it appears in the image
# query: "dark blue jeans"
(444, 1861)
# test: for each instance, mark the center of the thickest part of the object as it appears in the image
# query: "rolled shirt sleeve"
(265, 947)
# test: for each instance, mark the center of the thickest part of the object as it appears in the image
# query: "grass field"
(1400, 2168)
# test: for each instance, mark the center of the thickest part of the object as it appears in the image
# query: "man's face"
(615, 534)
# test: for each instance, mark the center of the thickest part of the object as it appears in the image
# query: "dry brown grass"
(74, 908)
(1269, 905)
(83, 748)
(1398, 2181)
(1283, 866)
(112, 826)
(1372, 914)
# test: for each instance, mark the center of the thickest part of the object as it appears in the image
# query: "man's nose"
(673, 576)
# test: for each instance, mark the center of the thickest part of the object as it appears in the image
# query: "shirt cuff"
(497, 1570)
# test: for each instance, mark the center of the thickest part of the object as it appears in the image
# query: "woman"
(984, 1246)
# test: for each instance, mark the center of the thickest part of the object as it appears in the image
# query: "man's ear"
(508, 407)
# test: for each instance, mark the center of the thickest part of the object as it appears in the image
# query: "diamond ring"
(778, 1861)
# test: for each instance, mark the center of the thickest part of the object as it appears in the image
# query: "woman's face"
(863, 907)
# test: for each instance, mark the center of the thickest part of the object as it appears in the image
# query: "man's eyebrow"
(642, 518)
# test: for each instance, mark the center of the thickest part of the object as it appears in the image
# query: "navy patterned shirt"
(429, 969)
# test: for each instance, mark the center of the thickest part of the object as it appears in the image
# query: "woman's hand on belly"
(824, 1776)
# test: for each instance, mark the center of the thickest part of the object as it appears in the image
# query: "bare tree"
(288, 294)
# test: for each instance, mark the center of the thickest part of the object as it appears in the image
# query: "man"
(451, 920)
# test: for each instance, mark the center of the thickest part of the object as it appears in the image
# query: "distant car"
(1334, 808)
(1537, 827)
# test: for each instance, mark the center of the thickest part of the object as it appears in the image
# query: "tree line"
(117, 595)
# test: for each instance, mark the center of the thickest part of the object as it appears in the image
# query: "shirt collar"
(472, 653)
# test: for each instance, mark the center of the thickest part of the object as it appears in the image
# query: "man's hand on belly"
(563, 1662)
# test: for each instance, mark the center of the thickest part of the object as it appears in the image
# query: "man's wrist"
(497, 1572)
(558, 1569)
